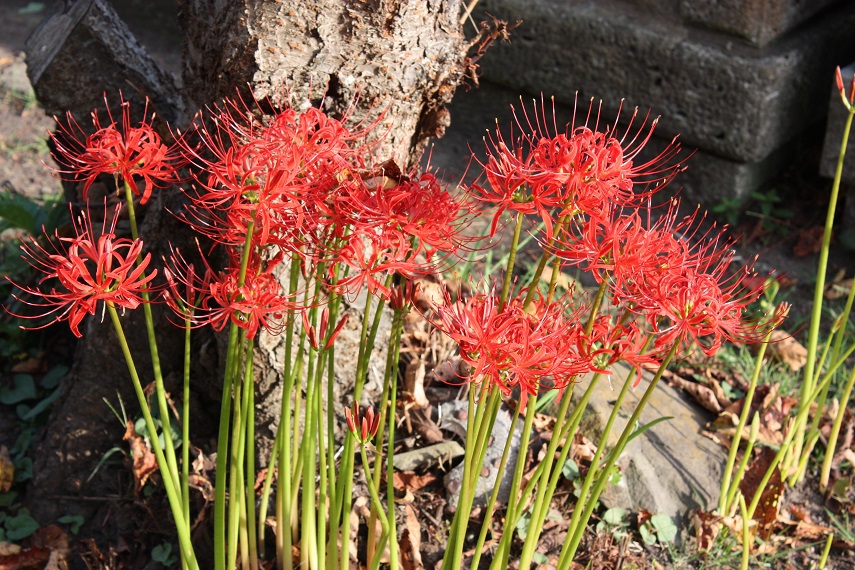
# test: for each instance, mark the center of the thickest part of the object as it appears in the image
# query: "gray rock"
(454, 420)
(671, 468)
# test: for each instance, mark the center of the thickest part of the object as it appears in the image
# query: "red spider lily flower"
(373, 261)
(413, 207)
(850, 100)
(315, 337)
(580, 170)
(511, 347)
(124, 151)
(363, 426)
(185, 288)
(621, 342)
(704, 307)
(88, 270)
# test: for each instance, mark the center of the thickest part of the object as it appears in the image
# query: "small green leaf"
(53, 376)
(570, 470)
(24, 389)
(23, 469)
(20, 526)
(540, 558)
(32, 8)
(666, 530)
(74, 522)
(161, 553)
(647, 534)
(523, 524)
(615, 516)
(8, 499)
(41, 406)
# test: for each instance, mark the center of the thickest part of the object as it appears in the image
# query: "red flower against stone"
(87, 269)
(122, 150)
(581, 170)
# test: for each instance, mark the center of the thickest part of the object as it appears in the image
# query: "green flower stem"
(308, 455)
(743, 465)
(390, 452)
(345, 491)
(322, 466)
(512, 256)
(284, 468)
(185, 432)
(723, 505)
(250, 525)
(568, 551)
(372, 491)
(513, 502)
(545, 491)
(553, 280)
(236, 496)
(163, 407)
(334, 303)
(264, 502)
(484, 420)
(390, 376)
(746, 532)
(822, 269)
(835, 432)
(594, 470)
(823, 559)
(450, 547)
(172, 493)
(494, 496)
(222, 454)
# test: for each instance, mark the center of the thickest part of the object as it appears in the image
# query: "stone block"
(728, 99)
(834, 133)
(758, 21)
(83, 51)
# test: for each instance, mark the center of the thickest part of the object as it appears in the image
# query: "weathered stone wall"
(740, 80)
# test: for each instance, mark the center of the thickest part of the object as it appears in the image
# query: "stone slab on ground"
(671, 468)
(727, 98)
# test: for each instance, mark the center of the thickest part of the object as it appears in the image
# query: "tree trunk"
(401, 59)
(396, 61)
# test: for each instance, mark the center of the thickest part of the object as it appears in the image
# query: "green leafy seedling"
(24, 389)
(659, 528)
(615, 520)
(20, 526)
(74, 522)
(163, 554)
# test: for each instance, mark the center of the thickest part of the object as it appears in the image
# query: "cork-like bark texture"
(401, 59)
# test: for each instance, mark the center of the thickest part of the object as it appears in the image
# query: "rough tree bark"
(397, 59)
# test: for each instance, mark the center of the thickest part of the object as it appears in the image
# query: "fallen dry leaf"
(411, 541)
(409, 481)
(7, 470)
(145, 463)
(26, 558)
(414, 382)
(766, 514)
(703, 395)
(787, 349)
(810, 241)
